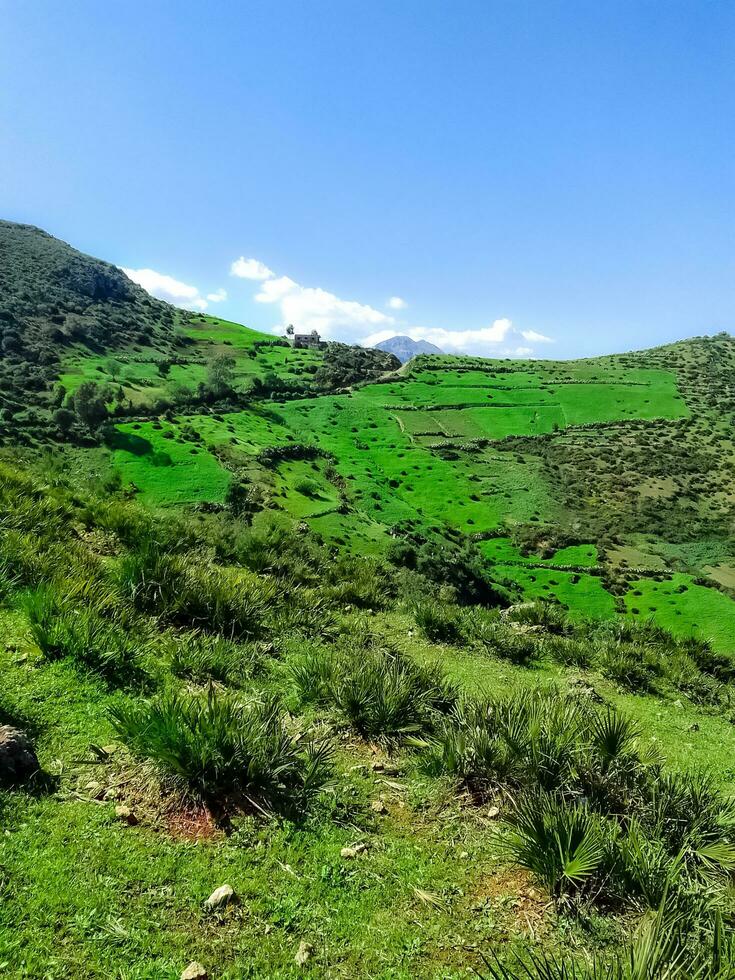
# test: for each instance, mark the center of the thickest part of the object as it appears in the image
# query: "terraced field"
(629, 454)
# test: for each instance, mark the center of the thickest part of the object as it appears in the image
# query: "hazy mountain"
(404, 348)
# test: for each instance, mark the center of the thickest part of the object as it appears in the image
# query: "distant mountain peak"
(404, 348)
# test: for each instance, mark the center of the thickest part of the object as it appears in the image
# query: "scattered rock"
(586, 690)
(377, 806)
(18, 760)
(515, 608)
(694, 727)
(195, 971)
(678, 703)
(351, 852)
(304, 953)
(464, 855)
(493, 812)
(125, 814)
(220, 897)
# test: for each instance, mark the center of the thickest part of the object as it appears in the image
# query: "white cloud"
(219, 297)
(316, 309)
(167, 288)
(495, 340)
(309, 308)
(453, 340)
(536, 338)
(250, 269)
(274, 290)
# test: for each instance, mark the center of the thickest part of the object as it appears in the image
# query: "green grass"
(582, 594)
(685, 609)
(387, 442)
(167, 471)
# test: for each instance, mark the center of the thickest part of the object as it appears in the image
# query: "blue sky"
(509, 170)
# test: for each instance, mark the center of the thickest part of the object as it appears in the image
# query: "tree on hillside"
(89, 402)
(64, 419)
(221, 375)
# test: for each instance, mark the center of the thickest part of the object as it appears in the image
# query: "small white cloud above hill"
(273, 290)
(250, 269)
(219, 297)
(536, 338)
(396, 303)
(309, 307)
(167, 288)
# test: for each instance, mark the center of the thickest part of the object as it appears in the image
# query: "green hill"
(630, 455)
(432, 664)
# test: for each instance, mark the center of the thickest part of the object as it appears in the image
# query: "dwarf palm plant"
(561, 844)
(213, 745)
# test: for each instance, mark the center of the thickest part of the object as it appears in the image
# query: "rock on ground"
(304, 953)
(18, 760)
(194, 971)
(220, 897)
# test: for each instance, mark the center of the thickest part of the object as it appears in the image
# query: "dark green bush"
(214, 745)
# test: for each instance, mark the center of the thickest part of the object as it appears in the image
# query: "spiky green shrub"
(665, 946)
(386, 695)
(518, 647)
(545, 732)
(627, 665)
(469, 746)
(568, 650)
(185, 590)
(306, 612)
(313, 673)
(214, 745)
(615, 767)
(201, 657)
(657, 952)
(548, 615)
(693, 817)
(361, 582)
(543, 739)
(438, 622)
(477, 623)
(640, 866)
(561, 844)
(77, 626)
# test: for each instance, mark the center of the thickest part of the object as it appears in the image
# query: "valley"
(314, 663)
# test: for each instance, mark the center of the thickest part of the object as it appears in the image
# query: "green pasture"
(582, 594)
(683, 607)
(164, 469)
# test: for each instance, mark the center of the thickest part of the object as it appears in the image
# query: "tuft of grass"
(213, 745)
(437, 621)
(73, 626)
(200, 657)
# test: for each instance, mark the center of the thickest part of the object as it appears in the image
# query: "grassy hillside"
(628, 455)
(432, 665)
